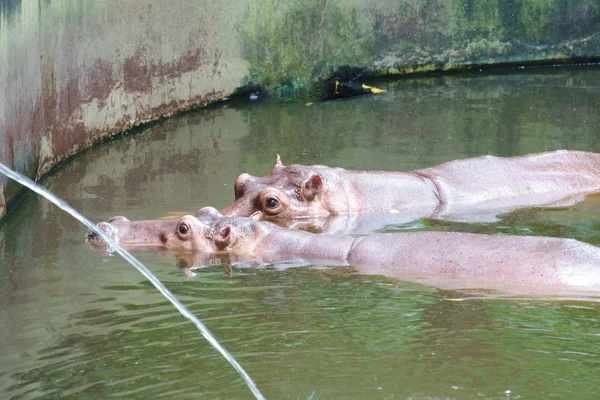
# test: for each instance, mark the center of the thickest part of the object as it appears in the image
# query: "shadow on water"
(69, 326)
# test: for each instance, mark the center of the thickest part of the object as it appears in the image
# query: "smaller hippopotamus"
(472, 189)
(523, 264)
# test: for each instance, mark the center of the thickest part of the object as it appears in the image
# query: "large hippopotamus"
(522, 264)
(474, 189)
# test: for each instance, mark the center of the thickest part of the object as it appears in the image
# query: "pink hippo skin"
(514, 264)
(475, 189)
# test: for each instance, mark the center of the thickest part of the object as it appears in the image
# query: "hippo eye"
(271, 202)
(184, 228)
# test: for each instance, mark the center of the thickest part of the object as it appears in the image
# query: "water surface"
(75, 322)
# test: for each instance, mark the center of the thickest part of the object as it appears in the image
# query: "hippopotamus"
(443, 259)
(475, 189)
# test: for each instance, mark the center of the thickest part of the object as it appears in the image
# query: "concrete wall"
(74, 72)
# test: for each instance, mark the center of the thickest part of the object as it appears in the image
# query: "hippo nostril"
(240, 184)
(208, 215)
(91, 235)
(107, 228)
(245, 178)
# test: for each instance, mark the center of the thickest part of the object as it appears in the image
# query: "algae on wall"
(290, 46)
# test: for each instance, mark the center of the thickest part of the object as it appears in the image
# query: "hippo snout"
(94, 238)
(108, 228)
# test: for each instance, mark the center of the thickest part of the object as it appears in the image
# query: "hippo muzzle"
(110, 228)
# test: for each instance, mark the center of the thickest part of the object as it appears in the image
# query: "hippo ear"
(278, 162)
(312, 187)
(223, 237)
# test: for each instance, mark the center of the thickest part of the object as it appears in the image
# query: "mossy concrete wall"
(73, 73)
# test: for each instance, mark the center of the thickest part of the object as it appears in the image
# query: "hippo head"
(208, 231)
(287, 192)
(186, 234)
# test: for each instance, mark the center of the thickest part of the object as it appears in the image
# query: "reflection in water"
(578, 221)
(73, 324)
(520, 262)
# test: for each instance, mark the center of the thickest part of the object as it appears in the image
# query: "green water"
(77, 323)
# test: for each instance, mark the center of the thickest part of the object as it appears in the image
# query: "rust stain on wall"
(102, 82)
(136, 75)
(138, 72)
(48, 89)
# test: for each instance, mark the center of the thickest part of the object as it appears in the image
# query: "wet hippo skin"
(474, 189)
(523, 264)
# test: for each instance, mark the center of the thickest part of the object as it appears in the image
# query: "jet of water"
(140, 267)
